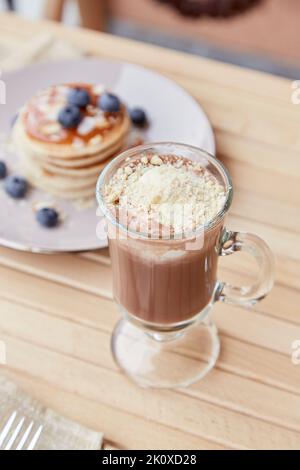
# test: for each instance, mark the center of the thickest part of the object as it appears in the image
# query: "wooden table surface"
(57, 314)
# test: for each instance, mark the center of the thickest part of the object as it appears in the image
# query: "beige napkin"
(58, 433)
(40, 48)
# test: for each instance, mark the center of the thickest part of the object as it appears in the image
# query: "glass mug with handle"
(165, 286)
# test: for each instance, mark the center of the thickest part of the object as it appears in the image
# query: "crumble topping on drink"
(166, 191)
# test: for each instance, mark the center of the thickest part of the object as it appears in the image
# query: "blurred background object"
(259, 34)
(215, 8)
(10, 4)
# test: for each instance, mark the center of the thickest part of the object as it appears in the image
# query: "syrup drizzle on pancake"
(41, 124)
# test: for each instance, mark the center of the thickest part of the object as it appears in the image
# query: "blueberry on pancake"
(109, 102)
(70, 116)
(79, 97)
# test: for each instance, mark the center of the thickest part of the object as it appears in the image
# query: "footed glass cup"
(165, 288)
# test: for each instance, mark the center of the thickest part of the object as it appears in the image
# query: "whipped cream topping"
(165, 191)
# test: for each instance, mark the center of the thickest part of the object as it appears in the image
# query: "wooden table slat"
(218, 424)
(93, 347)
(130, 431)
(238, 357)
(83, 272)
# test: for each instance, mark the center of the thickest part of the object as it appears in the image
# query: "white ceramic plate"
(174, 116)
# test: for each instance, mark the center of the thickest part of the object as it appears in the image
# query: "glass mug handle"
(255, 246)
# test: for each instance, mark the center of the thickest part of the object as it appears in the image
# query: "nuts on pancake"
(51, 128)
(95, 140)
(155, 160)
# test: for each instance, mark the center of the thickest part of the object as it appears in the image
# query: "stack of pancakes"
(67, 162)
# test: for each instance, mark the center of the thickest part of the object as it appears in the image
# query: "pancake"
(97, 131)
(79, 172)
(67, 162)
(76, 188)
(76, 149)
(76, 162)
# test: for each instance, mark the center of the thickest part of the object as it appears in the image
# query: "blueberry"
(16, 187)
(69, 116)
(79, 97)
(138, 117)
(47, 217)
(109, 102)
(3, 170)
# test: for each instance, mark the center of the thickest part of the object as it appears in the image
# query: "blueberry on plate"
(16, 187)
(109, 102)
(3, 170)
(47, 217)
(69, 116)
(79, 97)
(138, 117)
